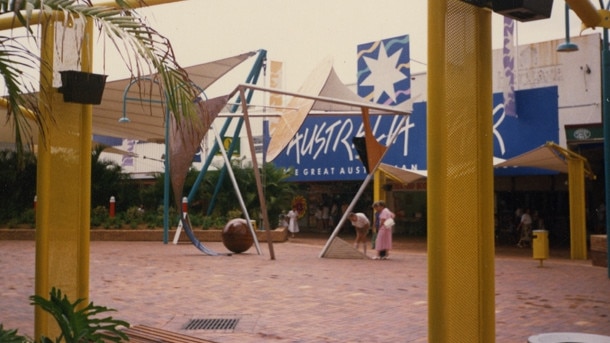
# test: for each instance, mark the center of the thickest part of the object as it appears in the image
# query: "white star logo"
(384, 74)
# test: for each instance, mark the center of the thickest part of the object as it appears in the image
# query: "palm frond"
(144, 51)
(17, 63)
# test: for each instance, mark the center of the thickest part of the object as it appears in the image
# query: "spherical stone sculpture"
(236, 236)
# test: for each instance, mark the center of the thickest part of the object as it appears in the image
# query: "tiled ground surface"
(299, 297)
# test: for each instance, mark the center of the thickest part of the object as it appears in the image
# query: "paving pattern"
(299, 297)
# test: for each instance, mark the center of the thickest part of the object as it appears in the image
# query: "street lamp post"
(567, 46)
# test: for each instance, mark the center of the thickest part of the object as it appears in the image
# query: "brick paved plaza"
(299, 297)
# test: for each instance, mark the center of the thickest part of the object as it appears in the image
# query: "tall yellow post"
(460, 174)
(578, 231)
(378, 192)
(63, 187)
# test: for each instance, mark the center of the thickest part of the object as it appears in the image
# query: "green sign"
(584, 133)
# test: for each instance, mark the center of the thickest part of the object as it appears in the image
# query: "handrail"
(9, 21)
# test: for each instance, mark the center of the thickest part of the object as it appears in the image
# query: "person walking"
(362, 225)
(325, 215)
(293, 225)
(384, 220)
(525, 229)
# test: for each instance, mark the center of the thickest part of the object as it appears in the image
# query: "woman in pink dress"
(384, 220)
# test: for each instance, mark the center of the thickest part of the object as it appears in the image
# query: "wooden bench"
(147, 334)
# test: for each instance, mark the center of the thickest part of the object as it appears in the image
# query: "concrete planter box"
(278, 235)
(599, 250)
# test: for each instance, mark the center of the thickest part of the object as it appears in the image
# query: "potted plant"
(76, 323)
(82, 87)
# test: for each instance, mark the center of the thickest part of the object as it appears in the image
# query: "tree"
(278, 192)
(144, 52)
(108, 180)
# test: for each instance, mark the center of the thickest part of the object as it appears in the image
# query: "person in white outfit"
(525, 228)
(293, 225)
(362, 225)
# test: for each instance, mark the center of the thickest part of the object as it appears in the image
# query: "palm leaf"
(143, 50)
(15, 61)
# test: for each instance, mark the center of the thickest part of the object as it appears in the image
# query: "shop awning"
(549, 156)
(401, 175)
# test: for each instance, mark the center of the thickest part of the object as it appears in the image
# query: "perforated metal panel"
(460, 174)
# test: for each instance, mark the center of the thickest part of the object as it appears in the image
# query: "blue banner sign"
(322, 149)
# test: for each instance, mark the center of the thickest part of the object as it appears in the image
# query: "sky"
(302, 33)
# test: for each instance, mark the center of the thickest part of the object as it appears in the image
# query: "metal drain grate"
(212, 324)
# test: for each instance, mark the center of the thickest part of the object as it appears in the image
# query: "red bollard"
(185, 205)
(112, 207)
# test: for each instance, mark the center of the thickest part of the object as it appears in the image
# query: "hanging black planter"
(82, 87)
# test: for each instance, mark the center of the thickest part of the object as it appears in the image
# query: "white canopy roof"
(549, 156)
(401, 175)
(147, 116)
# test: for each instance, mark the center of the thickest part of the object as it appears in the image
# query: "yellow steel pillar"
(378, 181)
(578, 231)
(63, 187)
(460, 175)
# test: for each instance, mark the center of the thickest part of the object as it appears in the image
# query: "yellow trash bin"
(540, 245)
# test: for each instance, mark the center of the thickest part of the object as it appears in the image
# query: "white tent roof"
(321, 91)
(404, 176)
(147, 117)
(549, 156)
(541, 157)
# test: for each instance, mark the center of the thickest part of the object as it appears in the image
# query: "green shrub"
(196, 220)
(134, 216)
(112, 223)
(99, 215)
(234, 213)
(28, 217)
(13, 223)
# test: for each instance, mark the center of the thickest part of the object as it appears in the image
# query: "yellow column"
(460, 174)
(63, 188)
(378, 192)
(578, 228)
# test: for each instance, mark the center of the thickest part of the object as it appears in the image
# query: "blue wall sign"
(322, 150)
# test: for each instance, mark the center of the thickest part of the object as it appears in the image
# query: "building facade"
(556, 98)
